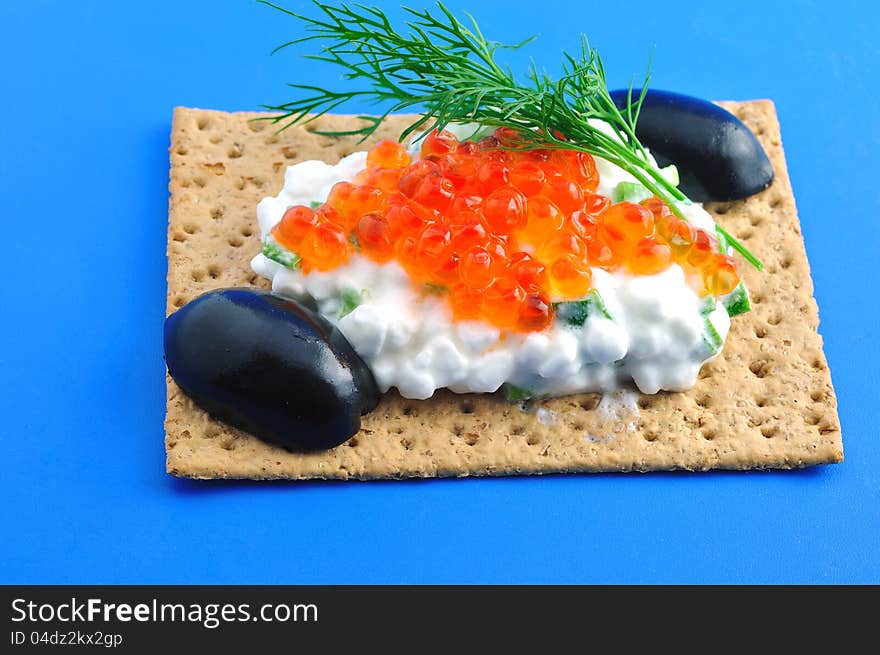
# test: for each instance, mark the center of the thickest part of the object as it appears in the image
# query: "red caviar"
(503, 230)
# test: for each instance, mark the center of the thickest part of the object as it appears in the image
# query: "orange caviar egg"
(677, 233)
(650, 257)
(433, 248)
(374, 237)
(701, 250)
(544, 220)
(505, 209)
(502, 301)
(435, 191)
(477, 268)
(353, 201)
(563, 244)
(527, 177)
(388, 154)
(326, 246)
(566, 194)
(623, 225)
(529, 273)
(438, 143)
(505, 232)
(720, 275)
(466, 303)
(570, 277)
(295, 224)
(413, 176)
(535, 312)
(385, 179)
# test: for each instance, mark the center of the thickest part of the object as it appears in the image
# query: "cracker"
(766, 402)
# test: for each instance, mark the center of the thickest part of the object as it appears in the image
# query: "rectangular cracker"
(766, 402)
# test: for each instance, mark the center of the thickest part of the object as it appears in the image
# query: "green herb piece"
(707, 305)
(314, 204)
(671, 174)
(350, 299)
(433, 287)
(515, 394)
(630, 192)
(276, 253)
(711, 339)
(737, 301)
(448, 70)
(576, 312)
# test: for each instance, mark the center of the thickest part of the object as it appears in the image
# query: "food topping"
(505, 232)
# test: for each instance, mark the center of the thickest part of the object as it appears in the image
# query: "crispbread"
(766, 402)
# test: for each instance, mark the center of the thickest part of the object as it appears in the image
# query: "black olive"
(717, 156)
(269, 366)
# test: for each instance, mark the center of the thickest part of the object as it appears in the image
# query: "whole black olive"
(270, 366)
(717, 156)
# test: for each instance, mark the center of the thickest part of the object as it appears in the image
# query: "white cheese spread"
(408, 337)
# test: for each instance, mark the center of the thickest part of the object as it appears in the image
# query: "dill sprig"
(447, 70)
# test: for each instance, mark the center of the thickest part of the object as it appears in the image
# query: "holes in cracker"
(813, 418)
(214, 271)
(818, 364)
(247, 231)
(289, 153)
(200, 181)
(590, 402)
(466, 407)
(709, 433)
(644, 402)
(786, 262)
(190, 228)
(774, 319)
(577, 426)
(518, 430)
(827, 428)
(217, 169)
(721, 210)
(533, 440)
(180, 237)
(203, 123)
(217, 213)
(776, 202)
(256, 125)
(760, 331)
(407, 444)
(178, 301)
(409, 410)
(198, 275)
(182, 151)
(272, 139)
(235, 151)
(769, 431)
(235, 241)
(760, 368)
(762, 401)
(755, 219)
(818, 395)
(471, 438)
(215, 139)
(703, 401)
(651, 435)
(352, 443)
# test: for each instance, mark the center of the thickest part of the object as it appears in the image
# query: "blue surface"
(88, 90)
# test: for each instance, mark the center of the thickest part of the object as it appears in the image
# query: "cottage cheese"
(407, 336)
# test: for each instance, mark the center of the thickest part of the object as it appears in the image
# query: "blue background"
(87, 93)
